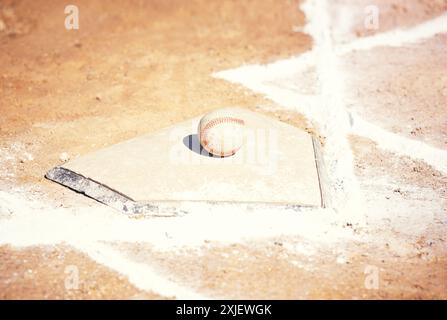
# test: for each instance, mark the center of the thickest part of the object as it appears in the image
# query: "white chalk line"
(36, 223)
(325, 110)
(397, 37)
(310, 105)
(94, 230)
(400, 145)
(392, 38)
(333, 117)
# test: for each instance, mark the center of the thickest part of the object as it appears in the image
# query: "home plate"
(278, 165)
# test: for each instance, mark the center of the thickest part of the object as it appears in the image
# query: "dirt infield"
(376, 99)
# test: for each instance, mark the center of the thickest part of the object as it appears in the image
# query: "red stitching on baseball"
(220, 120)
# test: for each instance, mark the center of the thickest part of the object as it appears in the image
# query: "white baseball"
(221, 132)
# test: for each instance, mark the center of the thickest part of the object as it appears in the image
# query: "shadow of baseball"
(192, 143)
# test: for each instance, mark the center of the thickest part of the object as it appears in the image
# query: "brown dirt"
(268, 270)
(370, 161)
(131, 68)
(392, 13)
(395, 94)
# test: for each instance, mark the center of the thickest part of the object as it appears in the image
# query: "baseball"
(221, 132)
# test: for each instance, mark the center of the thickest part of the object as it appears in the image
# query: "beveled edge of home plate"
(165, 208)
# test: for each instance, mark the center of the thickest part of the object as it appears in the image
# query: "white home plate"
(278, 165)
